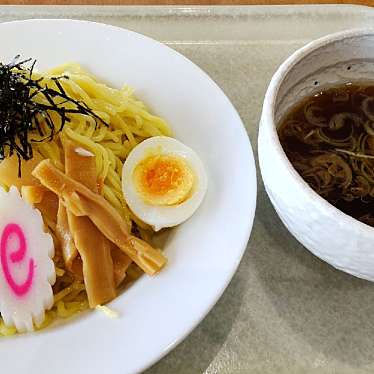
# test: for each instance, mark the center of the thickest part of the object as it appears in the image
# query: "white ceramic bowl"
(203, 253)
(335, 237)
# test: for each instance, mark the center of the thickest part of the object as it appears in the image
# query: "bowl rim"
(267, 119)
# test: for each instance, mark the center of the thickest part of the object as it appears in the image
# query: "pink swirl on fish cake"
(14, 258)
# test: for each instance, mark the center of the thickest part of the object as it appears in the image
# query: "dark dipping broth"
(329, 139)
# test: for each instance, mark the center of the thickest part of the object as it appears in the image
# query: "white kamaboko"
(163, 182)
(27, 271)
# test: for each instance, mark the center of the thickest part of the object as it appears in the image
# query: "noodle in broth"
(329, 139)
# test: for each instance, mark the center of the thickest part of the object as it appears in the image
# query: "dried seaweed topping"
(21, 114)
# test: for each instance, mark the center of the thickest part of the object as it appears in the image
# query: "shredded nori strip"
(20, 115)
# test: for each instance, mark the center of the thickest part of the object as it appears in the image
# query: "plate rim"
(250, 160)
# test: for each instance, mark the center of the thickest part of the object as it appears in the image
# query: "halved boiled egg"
(163, 182)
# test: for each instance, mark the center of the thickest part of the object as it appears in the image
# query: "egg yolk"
(163, 179)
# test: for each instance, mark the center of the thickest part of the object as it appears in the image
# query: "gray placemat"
(285, 311)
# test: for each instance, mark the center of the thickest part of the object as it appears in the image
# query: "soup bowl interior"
(327, 232)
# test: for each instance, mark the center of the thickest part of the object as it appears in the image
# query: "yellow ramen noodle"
(128, 123)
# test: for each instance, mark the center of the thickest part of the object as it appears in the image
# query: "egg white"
(163, 216)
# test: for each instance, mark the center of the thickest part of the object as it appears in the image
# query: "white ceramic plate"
(156, 313)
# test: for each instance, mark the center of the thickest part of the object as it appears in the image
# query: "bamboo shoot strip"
(83, 202)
